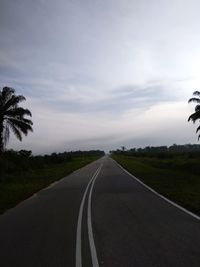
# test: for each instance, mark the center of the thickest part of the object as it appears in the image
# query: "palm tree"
(12, 116)
(123, 148)
(196, 115)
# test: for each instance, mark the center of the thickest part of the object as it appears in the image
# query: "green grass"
(15, 187)
(176, 178)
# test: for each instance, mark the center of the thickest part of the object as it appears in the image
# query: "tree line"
(17, 161)
(159, 150)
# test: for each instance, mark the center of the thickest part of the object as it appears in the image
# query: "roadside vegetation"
(172, 171)
(21, 174)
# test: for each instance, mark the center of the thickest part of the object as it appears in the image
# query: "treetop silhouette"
(12, 116)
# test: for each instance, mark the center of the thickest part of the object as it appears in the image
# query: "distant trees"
(159, 151)
(12, 162)
(12, 116)
(196, 115)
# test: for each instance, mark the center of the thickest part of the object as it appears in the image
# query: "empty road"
(98, 216)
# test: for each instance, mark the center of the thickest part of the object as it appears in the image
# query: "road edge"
(158, 194)
(51, 185)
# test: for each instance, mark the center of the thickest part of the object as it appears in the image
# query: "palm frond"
(194, 99)
(27, 121)
(197, 108)
(7, 93)
(195, 116)
(20, 125)
(196, 93)
(16, 132)
(13, 102)
(18, 112)
(198, 128)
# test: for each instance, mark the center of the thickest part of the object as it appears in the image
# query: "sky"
(102, 74)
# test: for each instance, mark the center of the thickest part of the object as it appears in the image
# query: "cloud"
(163, 123)
(102, 73)
(112, 102)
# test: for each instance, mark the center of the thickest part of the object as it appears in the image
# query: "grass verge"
(17, 187)
(178, 185)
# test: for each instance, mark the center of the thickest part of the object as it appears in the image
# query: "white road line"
(80, 215)
(95, 262)
(161, 196)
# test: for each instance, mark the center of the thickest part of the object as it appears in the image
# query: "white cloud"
(164, 123)
(100, 73)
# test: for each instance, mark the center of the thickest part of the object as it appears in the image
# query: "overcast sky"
(102, 73)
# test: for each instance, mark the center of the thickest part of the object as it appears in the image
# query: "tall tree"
(196, 115)
(12, 116)
(123, 148)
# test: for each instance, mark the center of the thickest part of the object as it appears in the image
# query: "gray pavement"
(131, 226)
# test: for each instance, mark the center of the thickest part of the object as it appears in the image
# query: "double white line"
(89, 224)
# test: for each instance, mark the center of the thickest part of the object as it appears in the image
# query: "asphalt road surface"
(98, 216)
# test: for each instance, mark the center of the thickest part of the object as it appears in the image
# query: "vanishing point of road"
(98, 216)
